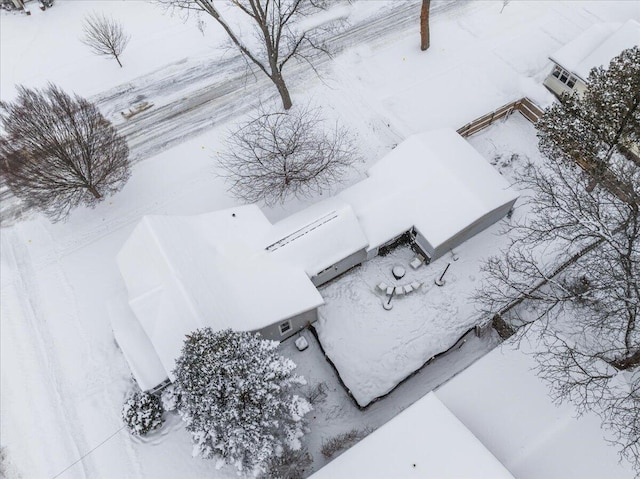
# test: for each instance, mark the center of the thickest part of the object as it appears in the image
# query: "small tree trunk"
(118, 60)
(94, 192)
(424, 25)
(278, 80)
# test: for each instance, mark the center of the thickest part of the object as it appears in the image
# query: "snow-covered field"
(63, 379)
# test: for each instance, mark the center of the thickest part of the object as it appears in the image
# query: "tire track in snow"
(17, 256)
(70, 389)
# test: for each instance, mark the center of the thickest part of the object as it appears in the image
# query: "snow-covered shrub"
(289, 465)
(169, 398)
(342, 442)
(236, 394)
(142, 413)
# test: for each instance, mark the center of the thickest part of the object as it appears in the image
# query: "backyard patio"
(374, 348)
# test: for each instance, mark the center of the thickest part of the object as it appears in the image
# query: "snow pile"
(424, 441)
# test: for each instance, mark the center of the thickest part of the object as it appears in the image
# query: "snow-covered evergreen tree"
(237, 396)
(142, 413)
(592, 127)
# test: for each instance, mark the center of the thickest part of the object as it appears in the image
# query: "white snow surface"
(597, 46)
(63, 378)
(434, 181)
(424, 441)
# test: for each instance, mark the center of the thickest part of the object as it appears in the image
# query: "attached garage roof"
(317, 237)
(597, 46)
(424, 441)
(435, 181)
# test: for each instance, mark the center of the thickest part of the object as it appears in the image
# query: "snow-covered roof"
(513, 415)
(135, 345)
(424, 441)
(597, 46)
(317, 237)
(184, 273)
(435, 181)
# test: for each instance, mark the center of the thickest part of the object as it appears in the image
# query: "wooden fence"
(526, 107)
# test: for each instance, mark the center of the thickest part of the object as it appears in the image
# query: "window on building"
(285, 328)
(564, 76)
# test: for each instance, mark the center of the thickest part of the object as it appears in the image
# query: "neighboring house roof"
(424, 441)
(185, 273)
(596, 47)
(507, 406)
(317, 237)
(435, 181)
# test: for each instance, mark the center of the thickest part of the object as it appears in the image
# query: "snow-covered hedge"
(142, 413)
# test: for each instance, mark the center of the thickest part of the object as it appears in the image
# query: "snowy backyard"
(64, 378)
(374, 349)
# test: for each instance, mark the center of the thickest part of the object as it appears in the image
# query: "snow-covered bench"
(399, 290)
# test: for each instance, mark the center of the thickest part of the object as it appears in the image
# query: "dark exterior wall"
(473, 229)
(298, 322)
(339, 268)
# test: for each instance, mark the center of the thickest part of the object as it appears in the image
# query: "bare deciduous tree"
(276, 28)
(277, 155)
(58, 151)
(105, 36)
(424, 25)
(574, 261)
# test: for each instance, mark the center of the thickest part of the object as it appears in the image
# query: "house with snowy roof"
(235, 269)
(426, 440)
(595, 47)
